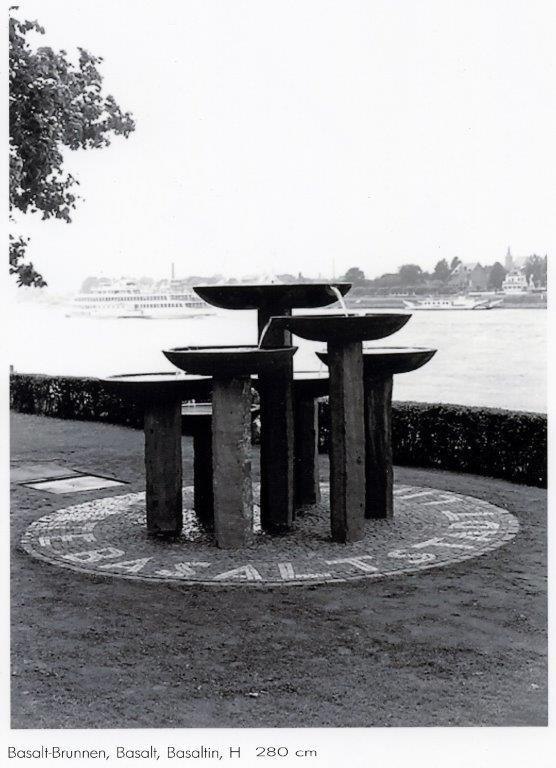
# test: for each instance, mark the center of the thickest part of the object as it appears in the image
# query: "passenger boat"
(457, 302)
(170, 299)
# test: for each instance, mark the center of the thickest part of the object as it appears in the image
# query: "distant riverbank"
(360, 300)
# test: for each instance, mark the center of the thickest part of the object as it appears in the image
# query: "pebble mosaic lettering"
(430, 529)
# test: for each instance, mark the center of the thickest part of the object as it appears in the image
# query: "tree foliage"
(354, 275)
(26, 272)
(496, 276)
(54, 104)
(535, 266)
(442, 271)
(387, 280)
(410, 274)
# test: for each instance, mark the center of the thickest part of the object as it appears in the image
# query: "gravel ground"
(461, 645)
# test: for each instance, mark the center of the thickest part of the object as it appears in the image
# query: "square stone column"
(347, 441)
(203, 494)
(231, 456)
(379, 471)
(197, 423)
(163, 466)
(277, 437)
(306, 450)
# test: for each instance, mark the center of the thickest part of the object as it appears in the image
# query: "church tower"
(509, 262)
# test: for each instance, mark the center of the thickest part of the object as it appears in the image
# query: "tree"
(496, 276)
(354, 275)
(454, 263)
(536, 266)
(388, 280)
(442, 271)
(410, 274)
(54, 103)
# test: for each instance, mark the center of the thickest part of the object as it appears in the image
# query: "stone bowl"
(197, 417)
(333, 328)
(382, 362)
(159, 385)
(306, 383)
(284, 295)
(229, 361)
(310, 383)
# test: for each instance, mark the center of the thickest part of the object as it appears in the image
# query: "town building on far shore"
(515, 282)
(470, 276)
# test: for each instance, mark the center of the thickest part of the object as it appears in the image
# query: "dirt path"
(462, 645)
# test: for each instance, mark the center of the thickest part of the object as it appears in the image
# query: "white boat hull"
(124, 299)
(127, 314)
(437, 306)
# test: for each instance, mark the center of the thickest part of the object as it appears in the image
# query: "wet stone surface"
(430, 529)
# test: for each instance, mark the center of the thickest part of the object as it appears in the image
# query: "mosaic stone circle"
(430, 529)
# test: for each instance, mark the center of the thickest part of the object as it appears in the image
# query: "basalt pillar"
(306, 451)
(277, 436)
(347, 441)
(163, 466)
(231, 459)
(203, 495)
(379, 472)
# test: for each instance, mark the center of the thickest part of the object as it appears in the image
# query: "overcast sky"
(309, 135)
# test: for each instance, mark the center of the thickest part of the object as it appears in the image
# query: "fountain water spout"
(340, 299)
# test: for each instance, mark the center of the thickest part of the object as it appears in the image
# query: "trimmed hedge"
(485, 441)
(511, 445)
(71, 397)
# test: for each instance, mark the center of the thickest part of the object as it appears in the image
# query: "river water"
(495, 358)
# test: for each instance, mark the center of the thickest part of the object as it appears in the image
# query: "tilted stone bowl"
(310, 383)
(336, 328)
(307, 383)
(159, 385)
(229, 361)
(285, 295)
(381, 362)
